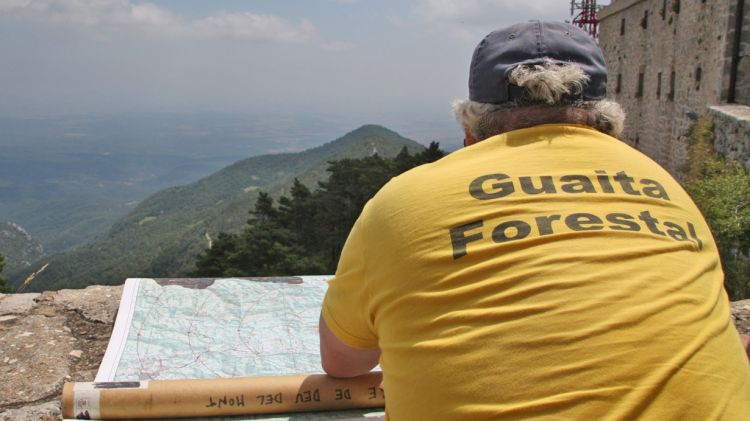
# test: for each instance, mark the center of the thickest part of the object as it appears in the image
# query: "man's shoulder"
(419, 178)
(417, 188)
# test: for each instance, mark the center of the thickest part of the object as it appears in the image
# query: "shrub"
(721, 189)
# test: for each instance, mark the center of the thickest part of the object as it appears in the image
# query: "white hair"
(549, 82)
(612, 114)
(550, 85)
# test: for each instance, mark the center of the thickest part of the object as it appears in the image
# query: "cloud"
(397, 21)
(466, 18)
(13, 4)
(253, 26)
(337, 46)
(125, 17)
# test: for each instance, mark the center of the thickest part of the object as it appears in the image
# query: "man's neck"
(510, 119)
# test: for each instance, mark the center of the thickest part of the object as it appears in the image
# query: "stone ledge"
(732, 131)
(61, 336)
(96, 303)
(17, 303)
(47, 339)
(48, 411)
(737, 112)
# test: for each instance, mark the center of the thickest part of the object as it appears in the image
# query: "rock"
(45, 309)
(47, 296)
(7, 318)
(97, 303)
(77, 353)
(44, 412)
(35, 345)
(741, 315)
(17, 303)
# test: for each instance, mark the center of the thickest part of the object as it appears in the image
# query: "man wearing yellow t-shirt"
(545, 271)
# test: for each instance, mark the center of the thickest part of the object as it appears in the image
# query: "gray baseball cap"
(531, 43)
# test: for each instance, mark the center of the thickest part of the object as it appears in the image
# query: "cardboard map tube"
(220, 397)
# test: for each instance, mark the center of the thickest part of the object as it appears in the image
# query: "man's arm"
(341, 360)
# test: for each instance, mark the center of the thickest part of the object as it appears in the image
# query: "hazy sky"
(335, 56)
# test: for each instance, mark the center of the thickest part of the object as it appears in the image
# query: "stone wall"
(742, 88)
(732, 131)
(667, 60)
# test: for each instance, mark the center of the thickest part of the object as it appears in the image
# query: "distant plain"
(67, 178)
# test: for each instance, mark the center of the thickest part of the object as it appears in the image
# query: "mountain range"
(164, 233)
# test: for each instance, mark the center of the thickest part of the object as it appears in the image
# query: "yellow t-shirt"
(547, 273)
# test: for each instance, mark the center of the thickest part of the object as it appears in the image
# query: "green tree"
(431, 154)
(298, 213)
(722, 192)
(404, 160)
(4, 287)
(269, 245)
(264, 211)
(215, 261)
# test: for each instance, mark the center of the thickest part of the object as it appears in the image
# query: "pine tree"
(404, 161)
(298, 213)
(216, 260)
(431, 154)
(4, 287)
(264, 211)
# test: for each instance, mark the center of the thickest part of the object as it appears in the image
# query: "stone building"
(673, 61)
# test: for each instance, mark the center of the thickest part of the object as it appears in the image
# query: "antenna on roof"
(584, 16)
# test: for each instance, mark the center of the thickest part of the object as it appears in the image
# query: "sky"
(340, 57)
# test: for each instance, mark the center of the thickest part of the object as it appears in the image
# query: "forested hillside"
(165, 233)
(305, 233)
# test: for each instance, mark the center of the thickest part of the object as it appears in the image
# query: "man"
(545, 271)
